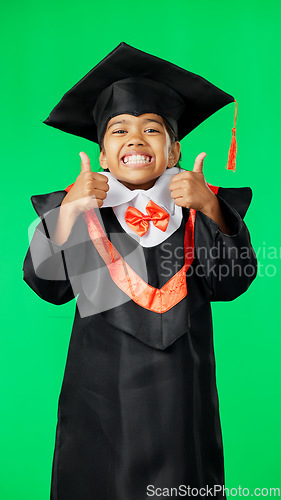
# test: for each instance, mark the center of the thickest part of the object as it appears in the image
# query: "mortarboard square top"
(134, 82)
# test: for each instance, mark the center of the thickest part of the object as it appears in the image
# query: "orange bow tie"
(139, 222)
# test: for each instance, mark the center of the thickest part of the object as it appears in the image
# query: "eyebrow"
(145, 119)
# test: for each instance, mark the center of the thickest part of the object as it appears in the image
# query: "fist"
(89, 189)
(189, 189)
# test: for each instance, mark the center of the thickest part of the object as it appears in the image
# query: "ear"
(174, 154)
(103, 161)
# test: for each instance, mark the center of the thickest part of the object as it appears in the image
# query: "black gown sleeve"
(228, 262)
(44, 267)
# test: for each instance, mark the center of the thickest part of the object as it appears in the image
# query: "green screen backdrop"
(45, 49)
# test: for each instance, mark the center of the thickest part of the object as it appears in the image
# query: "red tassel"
(68, 188)
(231, 164)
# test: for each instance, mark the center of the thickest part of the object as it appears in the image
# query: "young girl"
(144, 246)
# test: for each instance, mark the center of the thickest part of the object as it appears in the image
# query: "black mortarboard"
(134, 82)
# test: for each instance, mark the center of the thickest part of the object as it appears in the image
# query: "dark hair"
(171, 134)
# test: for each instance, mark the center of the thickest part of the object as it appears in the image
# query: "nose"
(136, 138)
(136, 142)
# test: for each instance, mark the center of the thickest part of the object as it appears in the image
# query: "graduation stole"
(158, 300)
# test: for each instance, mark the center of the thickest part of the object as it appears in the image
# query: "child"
(144, 246)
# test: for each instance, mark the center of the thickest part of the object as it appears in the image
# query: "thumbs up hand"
(189, 189)
(89, 189)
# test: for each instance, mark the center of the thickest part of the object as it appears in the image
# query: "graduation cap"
(130, 81)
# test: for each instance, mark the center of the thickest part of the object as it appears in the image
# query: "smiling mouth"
(137, 160)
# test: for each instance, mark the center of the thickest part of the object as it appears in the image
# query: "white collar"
(118, 194)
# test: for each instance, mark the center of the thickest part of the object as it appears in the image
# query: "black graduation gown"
(138, 408)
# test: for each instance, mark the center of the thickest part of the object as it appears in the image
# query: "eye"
(117, 131)
(152, 130)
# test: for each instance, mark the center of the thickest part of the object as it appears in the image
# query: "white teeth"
(136, 159)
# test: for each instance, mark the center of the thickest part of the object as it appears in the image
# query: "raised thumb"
(85, 162)
(198, 165)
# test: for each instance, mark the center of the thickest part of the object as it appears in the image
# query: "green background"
(45, 49)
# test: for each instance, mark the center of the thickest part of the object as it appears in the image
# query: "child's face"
(144, 135)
